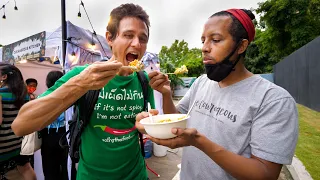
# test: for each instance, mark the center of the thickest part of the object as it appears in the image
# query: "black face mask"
(219, 71)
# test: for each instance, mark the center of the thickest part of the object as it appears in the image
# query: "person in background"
(241, 126)
(54, 157)
(32, 87)
(13, 94)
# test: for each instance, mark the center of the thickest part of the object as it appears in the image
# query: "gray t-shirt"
(253, 116)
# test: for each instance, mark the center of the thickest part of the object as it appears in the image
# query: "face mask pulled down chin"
(219, 71)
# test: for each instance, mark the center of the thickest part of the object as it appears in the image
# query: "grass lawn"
(308, 148)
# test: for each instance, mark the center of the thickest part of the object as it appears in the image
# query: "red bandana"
(245, 20)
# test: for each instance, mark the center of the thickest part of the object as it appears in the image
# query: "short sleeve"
(274, 131)
(75, 71)
(184, 103)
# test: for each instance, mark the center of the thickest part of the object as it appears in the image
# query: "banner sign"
(30, 48)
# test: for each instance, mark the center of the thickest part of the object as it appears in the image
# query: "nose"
(206, 47)
(136, 42)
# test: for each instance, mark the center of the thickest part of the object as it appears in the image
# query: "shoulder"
(202, 81)
(4, 90)
(273, 92)
(201, 78)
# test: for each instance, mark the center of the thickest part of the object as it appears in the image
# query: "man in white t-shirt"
(241, 126)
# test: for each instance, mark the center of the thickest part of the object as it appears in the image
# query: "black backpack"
(80, 119)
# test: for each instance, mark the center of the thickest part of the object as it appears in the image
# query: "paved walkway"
(167, 166)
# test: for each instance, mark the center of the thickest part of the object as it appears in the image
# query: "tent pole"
(64, 32)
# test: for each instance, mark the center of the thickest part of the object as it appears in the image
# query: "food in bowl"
(162, 125)
(171, 120)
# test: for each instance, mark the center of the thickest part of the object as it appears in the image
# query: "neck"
(240, 73)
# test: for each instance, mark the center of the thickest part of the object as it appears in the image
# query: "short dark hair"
(236, 29)
(126, 10)
(31, 80)
(52, 77)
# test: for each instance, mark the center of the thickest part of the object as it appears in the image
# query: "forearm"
(238, 166)
(168, 105)
(39, 113)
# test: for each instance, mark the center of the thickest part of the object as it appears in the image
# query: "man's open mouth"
(131, 56)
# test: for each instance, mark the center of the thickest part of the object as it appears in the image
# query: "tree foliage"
(179, 54)
(284, 27)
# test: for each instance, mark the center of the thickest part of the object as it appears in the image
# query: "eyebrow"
(212, 34)
(131, 31)
(215, 34)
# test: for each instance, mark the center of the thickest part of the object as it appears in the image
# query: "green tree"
(176, 53)
(193, 61)
(179, 54)
(256, 61)
(290, 24)
(284, 27)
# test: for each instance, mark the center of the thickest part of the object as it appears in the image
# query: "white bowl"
(163, 130)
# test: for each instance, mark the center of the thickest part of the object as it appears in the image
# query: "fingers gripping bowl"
(161, 128)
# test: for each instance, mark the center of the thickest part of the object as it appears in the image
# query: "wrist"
(167, 94)
(198, 140)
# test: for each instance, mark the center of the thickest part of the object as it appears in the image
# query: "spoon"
(191, 108)
(150, 115)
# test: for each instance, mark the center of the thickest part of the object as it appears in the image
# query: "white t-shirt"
(253, 116)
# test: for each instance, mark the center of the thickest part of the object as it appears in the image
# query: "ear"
(243, 46)
(4, 77)
(109, 39)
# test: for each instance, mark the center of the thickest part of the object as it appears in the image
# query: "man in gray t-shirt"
(241, 126)
(259, 119)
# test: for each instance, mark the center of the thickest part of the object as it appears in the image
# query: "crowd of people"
(241, 127)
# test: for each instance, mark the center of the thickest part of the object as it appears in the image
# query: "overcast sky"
(170, 19)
